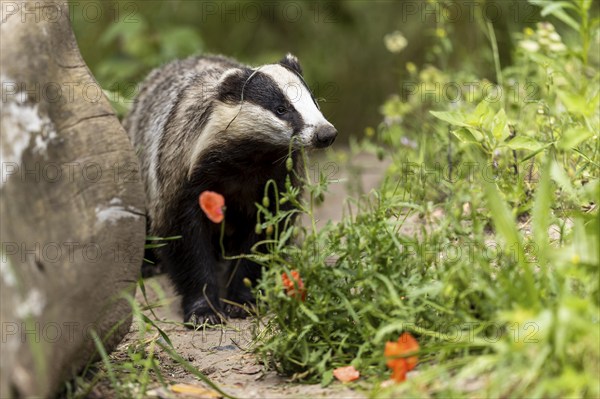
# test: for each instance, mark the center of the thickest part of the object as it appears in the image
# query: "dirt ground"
(222, 354)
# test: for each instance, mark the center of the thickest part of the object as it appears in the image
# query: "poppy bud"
(265, 201)
(258, 228)
(269, 230)
(247, 282)
(289, 164)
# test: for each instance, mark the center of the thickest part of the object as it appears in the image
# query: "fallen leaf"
(194, 391)
(346, 374)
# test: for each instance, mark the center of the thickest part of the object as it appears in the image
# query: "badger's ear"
(230, 84)
(290, 61)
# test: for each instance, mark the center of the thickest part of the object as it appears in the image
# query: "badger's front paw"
(242, 305)
(199, 312)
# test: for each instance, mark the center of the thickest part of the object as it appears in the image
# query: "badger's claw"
(240, 305)
(238, 311)
(199, 312)
(194, 320)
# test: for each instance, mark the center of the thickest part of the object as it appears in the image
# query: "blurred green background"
(341, 45)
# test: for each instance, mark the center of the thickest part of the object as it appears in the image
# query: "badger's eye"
(280, 110)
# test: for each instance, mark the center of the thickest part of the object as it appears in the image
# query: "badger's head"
(272, 103)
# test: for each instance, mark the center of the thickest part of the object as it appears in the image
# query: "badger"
(210, 123)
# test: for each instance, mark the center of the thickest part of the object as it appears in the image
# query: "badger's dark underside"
(239, 172)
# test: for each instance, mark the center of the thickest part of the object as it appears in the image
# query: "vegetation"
(487, 254)
(482, 241)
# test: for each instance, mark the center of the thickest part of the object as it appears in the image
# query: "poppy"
(291, 284)
(212, 204)
(401, 365)
(399, 370)
(346, 374)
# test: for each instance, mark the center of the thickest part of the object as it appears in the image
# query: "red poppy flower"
(346, 374)
(292, 284)
(401, 365)
(212, 205)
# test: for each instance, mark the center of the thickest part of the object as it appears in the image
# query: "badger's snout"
(324, 136)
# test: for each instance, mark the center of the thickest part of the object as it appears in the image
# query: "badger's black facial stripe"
(260, 89)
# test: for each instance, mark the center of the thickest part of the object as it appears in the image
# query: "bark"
(72, 222)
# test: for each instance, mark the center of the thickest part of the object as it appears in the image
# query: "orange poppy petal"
(391, 349)
(346, 374)
(394, 350)
(212, 205)
(399, 371)
(408, 344)
(391, 352)
(294, 287)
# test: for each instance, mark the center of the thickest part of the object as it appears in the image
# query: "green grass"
(496, 273)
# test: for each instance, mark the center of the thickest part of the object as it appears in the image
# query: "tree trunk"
(72, 216)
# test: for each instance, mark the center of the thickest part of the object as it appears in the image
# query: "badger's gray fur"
(210, 123)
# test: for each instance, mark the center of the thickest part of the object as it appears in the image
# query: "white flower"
(557, 47)
(555, 37)
(529, 45)
(395, 42)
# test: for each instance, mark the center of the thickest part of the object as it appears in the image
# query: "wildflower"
(292, 284)
(529, 45)
(430, 74)
(557, 47)
(401, 365)
(212, 204)
(544, 42)
(346, 374)
(555, 37)
(395, 42)
(405, 141)
(545, 28)
(411, 67)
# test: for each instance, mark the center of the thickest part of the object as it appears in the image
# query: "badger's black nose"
(325, 136)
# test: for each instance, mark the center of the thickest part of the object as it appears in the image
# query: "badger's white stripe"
(299, 96)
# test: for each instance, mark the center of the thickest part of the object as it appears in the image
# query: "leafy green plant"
(494, 271)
